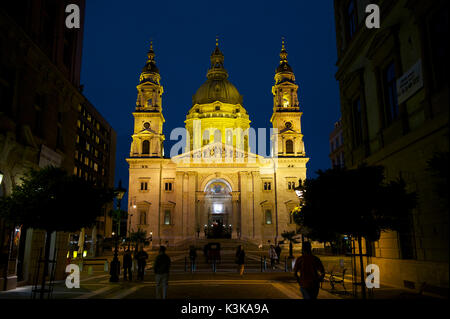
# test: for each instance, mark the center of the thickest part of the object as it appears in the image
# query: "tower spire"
(283, 53)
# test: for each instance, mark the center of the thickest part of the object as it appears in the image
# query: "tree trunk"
(290, 248)
(361, 266)
(48, 238)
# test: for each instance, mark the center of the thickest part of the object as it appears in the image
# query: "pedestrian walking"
(273, 256)
(141, 258)
(193, 257)
(311, 272)
(161, 268)
(278, 252)
(240, 259)
(127, 263)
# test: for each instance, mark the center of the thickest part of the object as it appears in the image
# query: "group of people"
(141, 258)
(309, 266)
(161, 268)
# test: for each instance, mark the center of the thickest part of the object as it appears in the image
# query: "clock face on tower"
(288, 125)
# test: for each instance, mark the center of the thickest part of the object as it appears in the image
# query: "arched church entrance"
(218, 209)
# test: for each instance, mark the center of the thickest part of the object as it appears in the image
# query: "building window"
(268, 217)
(75, 171)
(167, 217)
(357, 123)
(142, 218)
(145, 147)
(390, 89)
(289, 147)
(267, 186)
(144, 186)
(149, 102)
(205, 137)
(168, 186)
(352, 19)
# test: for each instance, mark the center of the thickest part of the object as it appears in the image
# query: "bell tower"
(148, 118)
(288, 141)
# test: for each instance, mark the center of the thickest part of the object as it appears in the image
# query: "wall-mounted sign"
(410, 82)
(49, 157)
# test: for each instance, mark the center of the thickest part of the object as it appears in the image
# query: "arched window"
(205, 137)
(217, 136)
(143, 218)
(289, 147)
(268, 217)
(145, 147)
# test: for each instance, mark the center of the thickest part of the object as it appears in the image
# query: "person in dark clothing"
(278, 252)
(127, 263)
(161, 268)
(311, 272)
(192, 257)
(141, 258)
(240, 259)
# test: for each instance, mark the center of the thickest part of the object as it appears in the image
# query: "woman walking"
(240, 259)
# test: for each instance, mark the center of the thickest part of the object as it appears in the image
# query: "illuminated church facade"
(216, 179)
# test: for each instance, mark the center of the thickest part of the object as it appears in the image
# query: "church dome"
(217, 90)
(217, 87)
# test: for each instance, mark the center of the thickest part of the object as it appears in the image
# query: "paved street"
(225, 283)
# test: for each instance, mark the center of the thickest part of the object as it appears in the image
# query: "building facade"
(337, 146)
(394, 104)
(40, 100)
(214, 178)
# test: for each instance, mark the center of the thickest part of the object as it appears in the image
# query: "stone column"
(236, 214)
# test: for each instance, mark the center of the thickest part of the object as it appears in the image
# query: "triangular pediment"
(217, 152)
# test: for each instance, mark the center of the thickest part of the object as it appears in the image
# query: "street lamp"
(115, 268)
(299, 192)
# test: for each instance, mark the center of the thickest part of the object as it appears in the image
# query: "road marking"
(94, 293)
(288, 292)
(126, 292)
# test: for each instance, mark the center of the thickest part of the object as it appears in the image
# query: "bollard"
(265, 263)
(105, 266)
(90, 270)
(80, 265)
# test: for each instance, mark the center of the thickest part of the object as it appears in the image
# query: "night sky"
(117, 36)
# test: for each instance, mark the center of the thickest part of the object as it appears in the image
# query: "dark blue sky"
(116, 41)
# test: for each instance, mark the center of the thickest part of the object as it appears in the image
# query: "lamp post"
(120, 191)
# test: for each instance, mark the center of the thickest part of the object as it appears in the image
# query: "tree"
(137, 237)
(290, 237)
(51, 200)
(357, 203)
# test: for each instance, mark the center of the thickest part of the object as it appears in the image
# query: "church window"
(217, 108)
(167, 217)
(146, 125)
(168, 186)
(143, 218)
(205, 137)
(144, 186)
(145, 147)
(149, 102)
(289, 147)
(268, 217)
(267, 186)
